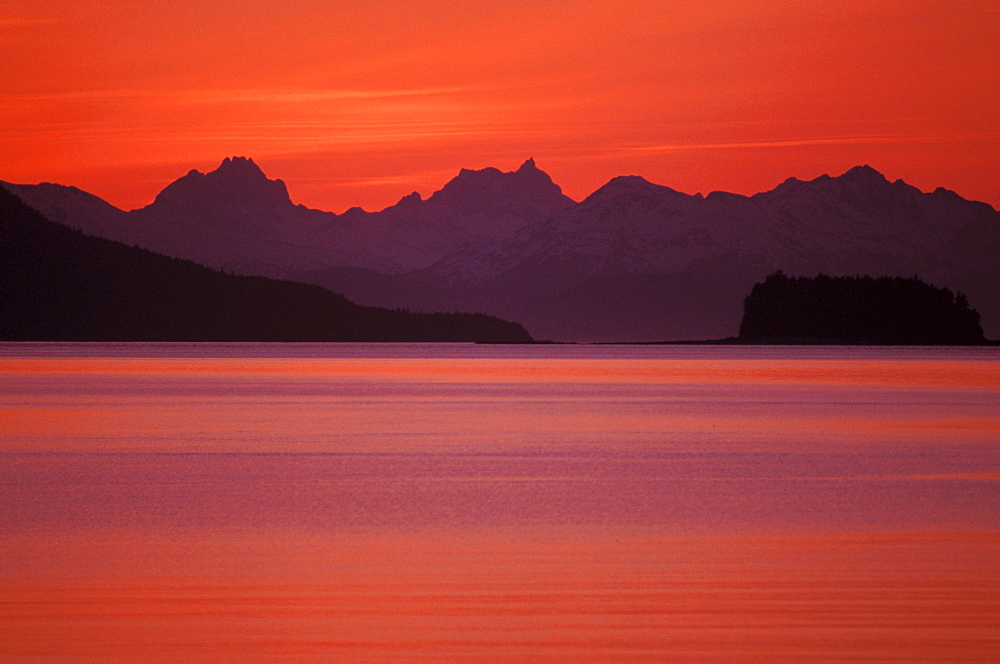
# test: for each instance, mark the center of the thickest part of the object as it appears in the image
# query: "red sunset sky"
(361, 102)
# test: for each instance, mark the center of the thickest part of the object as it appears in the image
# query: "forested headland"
(57, 284)
(857, 310)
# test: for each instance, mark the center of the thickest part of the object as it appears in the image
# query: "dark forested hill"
(857, 310)
(58, 284)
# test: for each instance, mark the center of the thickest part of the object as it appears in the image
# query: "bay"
(435, 502)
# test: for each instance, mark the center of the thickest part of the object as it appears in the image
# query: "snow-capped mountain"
(237, 219)
(640, 261)
(633, 261)
(473, 208)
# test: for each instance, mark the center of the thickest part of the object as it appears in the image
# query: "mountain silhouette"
(640, 261)
(237, 183)
(634, 261)
(57, 284)
(237, 219)
(474, 208)
(512, 199)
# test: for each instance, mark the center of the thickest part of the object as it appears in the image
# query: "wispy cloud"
(215, 96)
(304, 135)
(821, 140)
(299, 96)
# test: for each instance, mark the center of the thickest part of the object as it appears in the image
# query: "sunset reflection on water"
(488, 505)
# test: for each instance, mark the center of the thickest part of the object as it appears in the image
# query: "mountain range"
(634, 261)
(58, 284)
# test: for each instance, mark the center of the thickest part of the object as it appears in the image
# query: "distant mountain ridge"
(57, 284)
(238, 219)
(634, 261)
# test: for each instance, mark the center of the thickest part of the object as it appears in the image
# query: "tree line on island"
(857, 310)
(57, 284)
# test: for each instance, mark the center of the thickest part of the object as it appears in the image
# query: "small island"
(857, 310)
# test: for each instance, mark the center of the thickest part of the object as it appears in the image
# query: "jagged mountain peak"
(410, 199)
(231, 168)
(863, 173)
(238, 181)
(860, 185)
(239, 167)
(867, 189)
(527, 171)
(528, 186)
(528, 166)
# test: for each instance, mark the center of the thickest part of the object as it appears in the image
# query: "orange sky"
(361, 102)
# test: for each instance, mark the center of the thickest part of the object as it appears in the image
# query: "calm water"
(172, 502)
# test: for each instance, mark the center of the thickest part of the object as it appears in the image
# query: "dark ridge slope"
(57, 284)
(857, 310)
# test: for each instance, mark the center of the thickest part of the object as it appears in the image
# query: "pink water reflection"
(500, 508)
